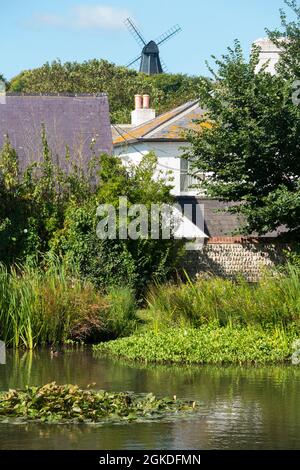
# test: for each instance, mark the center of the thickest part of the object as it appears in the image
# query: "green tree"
(118, 261)
(288, 39)
(250, 143)
(120, 83)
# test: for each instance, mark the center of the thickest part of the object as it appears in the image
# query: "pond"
(242, 408)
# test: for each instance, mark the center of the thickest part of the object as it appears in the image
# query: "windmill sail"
(133, 29)
(151, 63)
(168, 35)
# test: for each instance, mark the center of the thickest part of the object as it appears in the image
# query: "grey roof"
(170, 126)
(69, 120)
(218, 222)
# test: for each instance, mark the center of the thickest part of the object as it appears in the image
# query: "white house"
(269, 54)
(223, 249)
(164, 135)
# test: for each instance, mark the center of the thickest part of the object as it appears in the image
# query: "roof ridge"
(139, 133)
(175, 111)
(175, 115)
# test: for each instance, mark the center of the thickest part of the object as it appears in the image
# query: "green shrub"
(33, 202)
(47, 210)
(119, 262)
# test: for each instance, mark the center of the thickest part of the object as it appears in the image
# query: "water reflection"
(242, 408)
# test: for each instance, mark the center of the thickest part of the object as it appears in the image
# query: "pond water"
(242, 408)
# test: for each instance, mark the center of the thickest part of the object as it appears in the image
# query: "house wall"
(269, 55)
(168, 154)
(229, 257)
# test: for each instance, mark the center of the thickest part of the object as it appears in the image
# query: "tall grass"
(49, 306)
(274, 301)
(122, 319)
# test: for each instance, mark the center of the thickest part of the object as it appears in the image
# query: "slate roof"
(69, 120)
(217, 221)
(169, 126)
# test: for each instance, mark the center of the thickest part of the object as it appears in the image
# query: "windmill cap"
(151, 48)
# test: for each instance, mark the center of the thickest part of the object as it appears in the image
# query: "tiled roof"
(69, 120)
(168, 126)
(118, 130)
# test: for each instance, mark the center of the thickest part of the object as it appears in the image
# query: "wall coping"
(240, 240)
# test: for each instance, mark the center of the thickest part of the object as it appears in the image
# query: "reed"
(274, 301)
(52, 305)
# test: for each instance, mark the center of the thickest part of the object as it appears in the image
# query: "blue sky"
(33, 31)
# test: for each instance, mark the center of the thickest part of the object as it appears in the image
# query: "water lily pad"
(54, 403)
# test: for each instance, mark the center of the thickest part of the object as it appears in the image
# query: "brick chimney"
(142, 113)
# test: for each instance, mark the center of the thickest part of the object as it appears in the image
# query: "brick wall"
(233, 256)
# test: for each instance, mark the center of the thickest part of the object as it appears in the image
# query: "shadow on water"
(243, 408)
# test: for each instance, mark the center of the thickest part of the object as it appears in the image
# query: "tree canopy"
(120, 83)
(251, 150)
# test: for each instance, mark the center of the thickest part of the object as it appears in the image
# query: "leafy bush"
(47, 210)
(33, 202)
(119, 262)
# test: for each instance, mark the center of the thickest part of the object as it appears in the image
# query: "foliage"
(51, 306)
(3, 80)
(293, 255)
(289, 64)
(54, 403)
(251, 147)
(117, 261)
(209, 344)
(213, 321)
(122, 318)
(33, 201)
(273, 301)
(46, 209)
(120, 83)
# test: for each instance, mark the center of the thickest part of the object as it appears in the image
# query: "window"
(189, 177)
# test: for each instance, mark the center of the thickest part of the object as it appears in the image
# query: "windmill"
(150, 61)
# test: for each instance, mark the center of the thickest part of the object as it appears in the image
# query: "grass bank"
(209, 344)
(274, 301)
(217, 321)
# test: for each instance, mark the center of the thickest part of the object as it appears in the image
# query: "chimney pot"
(138, 101)
(146, 101)
(142, 112)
